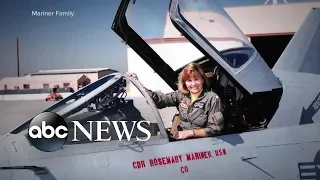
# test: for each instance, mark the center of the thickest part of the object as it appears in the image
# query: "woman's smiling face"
(195, 83)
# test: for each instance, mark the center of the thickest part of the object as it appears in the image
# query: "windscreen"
(70, 101)
(150, 20)
(77, 96)
(111, 102)
(210, 28)
(214, 24)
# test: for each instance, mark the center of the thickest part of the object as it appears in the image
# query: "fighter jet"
(272, 122)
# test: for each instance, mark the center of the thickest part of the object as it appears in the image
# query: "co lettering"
(184, 169)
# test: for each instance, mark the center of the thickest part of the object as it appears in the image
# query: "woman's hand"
(133, 75)
(183, 134)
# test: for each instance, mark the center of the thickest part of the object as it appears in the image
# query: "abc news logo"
(49, 132)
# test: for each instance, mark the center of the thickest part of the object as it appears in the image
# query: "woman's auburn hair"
(192, 70)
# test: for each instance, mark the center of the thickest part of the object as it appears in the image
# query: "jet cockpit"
(250, 91)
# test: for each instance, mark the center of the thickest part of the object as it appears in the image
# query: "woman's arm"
(198, 133)
(165, 100)
(160, 99)
(215, 118)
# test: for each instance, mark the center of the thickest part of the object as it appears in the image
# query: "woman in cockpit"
(200, 109)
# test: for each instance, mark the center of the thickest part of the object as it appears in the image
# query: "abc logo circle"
(48, 131)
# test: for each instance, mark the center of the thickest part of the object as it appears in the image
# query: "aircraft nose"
(5, 173)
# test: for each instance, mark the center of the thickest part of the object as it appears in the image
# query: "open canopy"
(211, 31)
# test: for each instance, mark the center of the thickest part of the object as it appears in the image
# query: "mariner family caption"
(53, 13)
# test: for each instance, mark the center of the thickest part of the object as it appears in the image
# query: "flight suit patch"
(184, 103)
(199, 105)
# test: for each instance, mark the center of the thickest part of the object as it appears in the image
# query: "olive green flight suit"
(205, 112)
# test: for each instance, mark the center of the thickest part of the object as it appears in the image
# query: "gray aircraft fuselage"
(287, 148)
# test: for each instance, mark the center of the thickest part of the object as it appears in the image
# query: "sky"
(82, 41)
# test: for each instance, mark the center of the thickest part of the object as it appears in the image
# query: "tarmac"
(15, 113)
